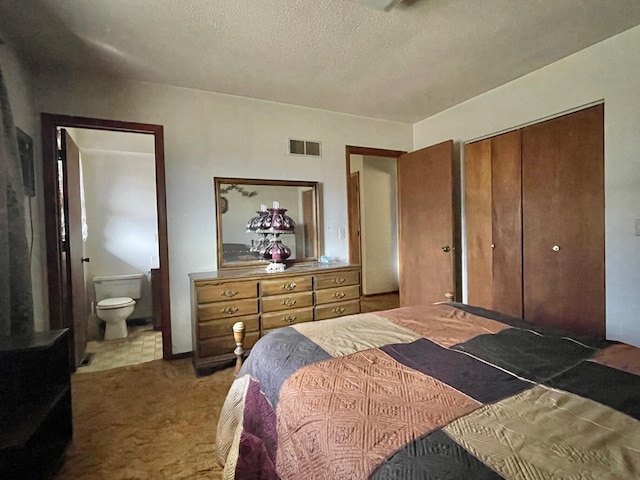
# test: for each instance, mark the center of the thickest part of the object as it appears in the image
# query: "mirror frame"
(222, 204)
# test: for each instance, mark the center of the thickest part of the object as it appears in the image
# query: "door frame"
(355, 241)
(354, 218)
(58, 318)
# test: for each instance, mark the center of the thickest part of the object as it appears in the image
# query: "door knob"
(493, 245)
(85, 259)
(446, 248)
(556, 248)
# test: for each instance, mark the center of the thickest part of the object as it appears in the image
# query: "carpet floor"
(156, 420)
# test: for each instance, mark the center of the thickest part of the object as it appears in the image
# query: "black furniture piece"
(35, 404)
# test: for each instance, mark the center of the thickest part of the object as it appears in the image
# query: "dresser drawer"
(219, 328)
(287, 302)
(286, 285)
(332, 310)
(338, 294)
(221, 292)
(287, 317)
(234, 308)
(223, 345)
(337, 279)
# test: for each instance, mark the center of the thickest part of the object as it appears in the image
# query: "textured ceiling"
(418, 59)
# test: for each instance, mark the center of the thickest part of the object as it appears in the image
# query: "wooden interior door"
(353, 191)
(563, 222)
(426, 229)
(73, 247)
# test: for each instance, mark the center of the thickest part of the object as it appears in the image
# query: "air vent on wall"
(304, 147)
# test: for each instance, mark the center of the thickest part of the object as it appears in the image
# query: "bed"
(446, 391)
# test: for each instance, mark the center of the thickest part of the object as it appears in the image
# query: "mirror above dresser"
(239, 200)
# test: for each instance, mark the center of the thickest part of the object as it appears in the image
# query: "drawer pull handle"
(229, 293)
(289, 319)
(289, 302)
(339, 280)
(338, 310)
(230, 310)
(339, 295)
(289, 286)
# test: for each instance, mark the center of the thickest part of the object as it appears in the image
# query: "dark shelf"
(35, 404)
(19, 421)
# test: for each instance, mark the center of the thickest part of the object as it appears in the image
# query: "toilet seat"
(118, 302)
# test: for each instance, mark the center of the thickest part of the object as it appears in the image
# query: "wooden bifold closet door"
(494, 223)
(534, 203)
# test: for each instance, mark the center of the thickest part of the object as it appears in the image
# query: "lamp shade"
(271, 222)
(254, 223)
(276, 221)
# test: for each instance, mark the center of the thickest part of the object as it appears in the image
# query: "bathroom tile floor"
(143, 344)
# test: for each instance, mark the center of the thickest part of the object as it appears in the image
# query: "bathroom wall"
(122, 224)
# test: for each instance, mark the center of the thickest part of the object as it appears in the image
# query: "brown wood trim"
(374, 295)
(49, 124)
(178, 356)
(163, 247)
(263, 181)
(372, 152)
(52, 220)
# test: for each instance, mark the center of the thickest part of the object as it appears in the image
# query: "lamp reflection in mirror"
(270, 223)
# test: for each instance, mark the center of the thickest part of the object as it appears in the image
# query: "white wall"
(207, 135)
(122, 223)
(609, 70)
(19, 82)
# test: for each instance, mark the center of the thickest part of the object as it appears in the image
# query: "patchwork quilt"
(443, 391)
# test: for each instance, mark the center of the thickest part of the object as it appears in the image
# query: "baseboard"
(396, 292)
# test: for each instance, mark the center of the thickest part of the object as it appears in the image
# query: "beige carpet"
(156, 420)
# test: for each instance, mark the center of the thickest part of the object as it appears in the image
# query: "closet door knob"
(556, 248)
(493, 245)
(446, 248)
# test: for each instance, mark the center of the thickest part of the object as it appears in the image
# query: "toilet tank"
(112, 286)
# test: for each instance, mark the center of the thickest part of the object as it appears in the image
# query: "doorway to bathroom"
(106, 215)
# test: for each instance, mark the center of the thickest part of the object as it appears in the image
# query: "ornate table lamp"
(272, 222)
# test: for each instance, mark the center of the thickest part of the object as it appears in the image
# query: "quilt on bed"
(432, 392)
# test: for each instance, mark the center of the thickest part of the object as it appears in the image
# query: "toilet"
(116, 296)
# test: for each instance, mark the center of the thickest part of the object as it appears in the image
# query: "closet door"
(493, 222)
(506, 171)
(563, 222)
(478, 205)
(426, 231)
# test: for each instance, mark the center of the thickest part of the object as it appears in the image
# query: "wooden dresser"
(263, 301)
